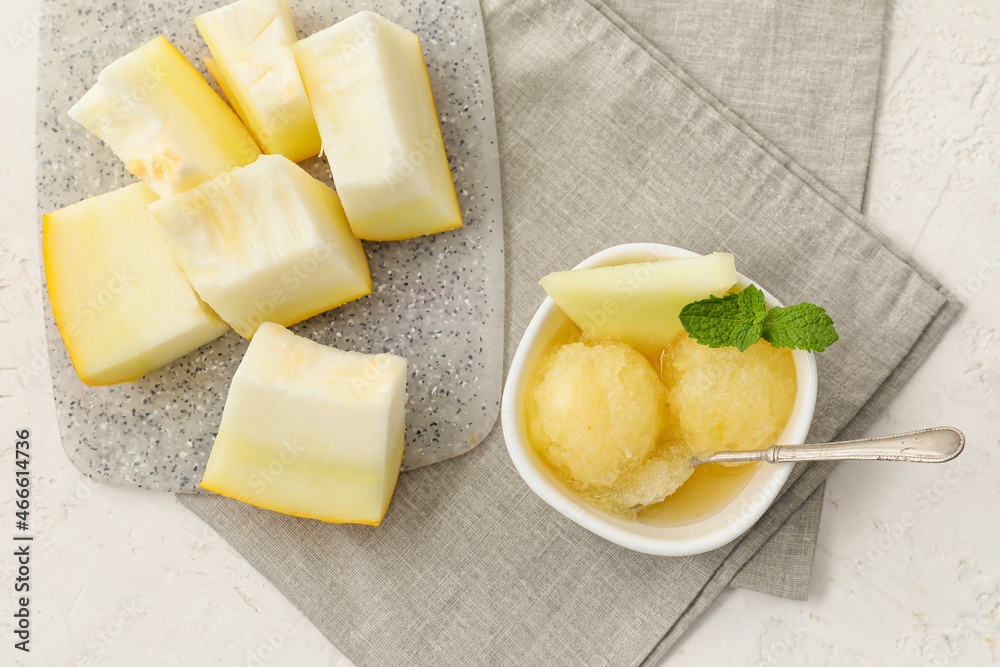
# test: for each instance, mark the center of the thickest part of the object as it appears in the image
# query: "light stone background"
(908, 561)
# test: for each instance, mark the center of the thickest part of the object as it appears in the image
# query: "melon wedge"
(251, 44)
(265, 242)
(639, 303)
(310, 430)
(160, 116)
(123, 306)
(369, 90)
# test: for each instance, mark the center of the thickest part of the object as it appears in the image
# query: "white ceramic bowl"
(714, 531)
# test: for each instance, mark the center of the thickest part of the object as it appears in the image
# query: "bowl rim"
(711, 532)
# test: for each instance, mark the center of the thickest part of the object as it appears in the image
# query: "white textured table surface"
(908, 561)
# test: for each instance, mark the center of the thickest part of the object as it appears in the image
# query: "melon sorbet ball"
(727, 399)
(598, 411)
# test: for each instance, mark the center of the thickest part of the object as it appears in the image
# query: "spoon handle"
(931, 445)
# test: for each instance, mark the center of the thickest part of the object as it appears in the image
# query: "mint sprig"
(741, 319)
(733, 320)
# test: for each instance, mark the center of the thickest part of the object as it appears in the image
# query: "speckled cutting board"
(437, 300)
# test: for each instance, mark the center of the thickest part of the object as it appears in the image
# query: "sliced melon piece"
(265, 242)
(310, 430)
(123, 306)
(160, 116)
(369, 89)
(251, 41)
(639, 303)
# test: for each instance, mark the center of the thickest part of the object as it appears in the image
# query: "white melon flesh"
(639, 303)
(369, 90)
(123, 306)
(265, 242)
(310, 430)
(160, 116)
(251, 41)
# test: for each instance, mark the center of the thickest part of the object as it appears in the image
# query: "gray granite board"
(436, 300)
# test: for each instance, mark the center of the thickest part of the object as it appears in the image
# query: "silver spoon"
(931, 445)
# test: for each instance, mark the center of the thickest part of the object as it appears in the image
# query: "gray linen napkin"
(603, 140)
(806, 77)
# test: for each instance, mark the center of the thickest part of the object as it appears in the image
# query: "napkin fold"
(604, 139)
(806, 77)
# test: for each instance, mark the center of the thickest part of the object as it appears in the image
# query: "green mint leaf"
(801, 327)
(740, 320)
(753, 307)
(725, 322)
